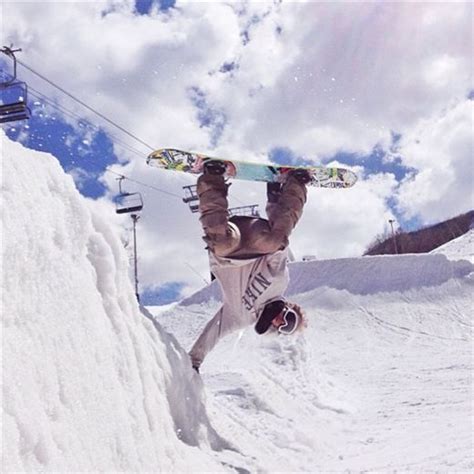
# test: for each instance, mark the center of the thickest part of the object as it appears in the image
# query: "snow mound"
(89, 383)
(363, 276)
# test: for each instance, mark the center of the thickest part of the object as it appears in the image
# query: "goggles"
(291, 320)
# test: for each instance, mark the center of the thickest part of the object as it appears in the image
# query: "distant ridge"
(424, 240)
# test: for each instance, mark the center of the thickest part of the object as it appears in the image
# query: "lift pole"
(135, 218)
(391, 221)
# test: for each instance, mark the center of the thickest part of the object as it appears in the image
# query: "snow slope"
(89, 384)
(380, 381)
(461, 248)
(361, 275)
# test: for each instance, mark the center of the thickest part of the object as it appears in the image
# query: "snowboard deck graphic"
(187, 162)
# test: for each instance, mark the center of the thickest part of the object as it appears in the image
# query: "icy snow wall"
(89, 383)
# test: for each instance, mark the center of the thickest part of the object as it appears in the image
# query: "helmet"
(290, 315)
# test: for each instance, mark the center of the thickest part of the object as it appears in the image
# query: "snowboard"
(188, 162)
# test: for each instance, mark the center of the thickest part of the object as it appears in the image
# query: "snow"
(461, 248)
(89, 384)
(381, 380)
(361, 275)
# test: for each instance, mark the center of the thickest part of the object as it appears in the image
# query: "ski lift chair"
(250, 211)
(13, 95)
(128, 202)
(191, 198)
(13, 102)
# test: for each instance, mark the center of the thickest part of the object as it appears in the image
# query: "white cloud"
(342, 223)
(316, 77)
(441, 149)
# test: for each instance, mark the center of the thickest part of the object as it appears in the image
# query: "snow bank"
(367, 275)
(89, 383)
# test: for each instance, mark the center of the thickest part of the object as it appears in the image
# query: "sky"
(383, 88)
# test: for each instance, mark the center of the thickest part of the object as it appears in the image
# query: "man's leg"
(221, 236)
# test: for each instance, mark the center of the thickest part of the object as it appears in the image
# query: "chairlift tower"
(13, 93)
(130, 203)
(135, 218)
(394, 239)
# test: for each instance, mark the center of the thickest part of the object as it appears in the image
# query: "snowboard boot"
(273, 192)
(214, 167)
(301, 175)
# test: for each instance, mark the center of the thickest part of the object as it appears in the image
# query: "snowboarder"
(248, 256)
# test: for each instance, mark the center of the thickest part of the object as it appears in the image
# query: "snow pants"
(244, 237)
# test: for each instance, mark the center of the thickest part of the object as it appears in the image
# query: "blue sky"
(144, 6)
(300, 83)
(49, 133)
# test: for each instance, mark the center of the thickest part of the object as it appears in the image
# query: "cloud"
(342, 223)
(441, 149)
(342, 77)
(241, 79)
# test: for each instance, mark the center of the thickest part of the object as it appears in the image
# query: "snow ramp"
(89, 383)
(362, 276)
(380, 381)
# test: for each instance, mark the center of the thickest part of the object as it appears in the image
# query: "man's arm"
(222, 236)
(219, 326)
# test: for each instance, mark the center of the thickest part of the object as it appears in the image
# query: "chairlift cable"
(52, 103)
(39, 95)
(107, 120)
(79, 101)
(107, 170)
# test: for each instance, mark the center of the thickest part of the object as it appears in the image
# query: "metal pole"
(135, 218)
(393, 236)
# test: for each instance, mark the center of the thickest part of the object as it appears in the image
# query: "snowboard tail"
(193, 163)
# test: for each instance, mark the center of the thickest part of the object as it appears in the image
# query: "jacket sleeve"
(219, 326)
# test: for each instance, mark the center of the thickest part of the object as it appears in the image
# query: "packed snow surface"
(89, 383)
(381, 380)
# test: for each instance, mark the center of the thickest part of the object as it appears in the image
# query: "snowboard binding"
(301, 175)
(214, 167)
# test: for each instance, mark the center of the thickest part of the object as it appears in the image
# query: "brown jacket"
(243, 236)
